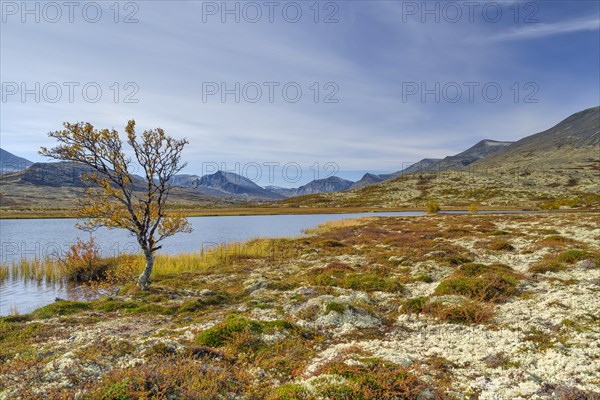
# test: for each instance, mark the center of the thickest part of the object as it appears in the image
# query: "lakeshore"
(437, 306)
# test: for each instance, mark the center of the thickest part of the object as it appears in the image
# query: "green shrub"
(432, 207)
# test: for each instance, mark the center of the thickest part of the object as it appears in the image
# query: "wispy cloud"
(541, 30)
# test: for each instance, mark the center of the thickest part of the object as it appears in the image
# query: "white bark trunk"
(144, 279)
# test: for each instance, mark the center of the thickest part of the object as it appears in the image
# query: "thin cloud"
(541, 30)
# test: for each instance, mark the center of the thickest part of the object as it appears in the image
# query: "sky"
(286, 92)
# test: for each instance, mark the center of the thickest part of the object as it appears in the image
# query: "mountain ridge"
(12, 163)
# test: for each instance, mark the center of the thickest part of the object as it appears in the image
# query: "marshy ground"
(432, 307)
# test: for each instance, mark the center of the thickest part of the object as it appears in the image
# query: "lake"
(30, 238)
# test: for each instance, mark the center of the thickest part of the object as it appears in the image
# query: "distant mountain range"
(574, 141)
(563, 161)
(327, 185)
(11, 163)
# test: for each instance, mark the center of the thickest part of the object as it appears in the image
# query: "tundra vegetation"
(424, 307)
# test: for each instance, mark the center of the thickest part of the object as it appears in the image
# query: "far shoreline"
(258, 211)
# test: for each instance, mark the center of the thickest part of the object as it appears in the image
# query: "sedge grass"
(220, 257)
(339, 224)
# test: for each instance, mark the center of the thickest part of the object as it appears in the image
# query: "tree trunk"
(144, 279)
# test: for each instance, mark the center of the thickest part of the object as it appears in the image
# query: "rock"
(586, 264)
(306, 291)
(206, 292)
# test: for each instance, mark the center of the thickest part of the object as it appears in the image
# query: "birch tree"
(117, 199)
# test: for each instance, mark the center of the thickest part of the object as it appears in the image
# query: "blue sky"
(375, 61)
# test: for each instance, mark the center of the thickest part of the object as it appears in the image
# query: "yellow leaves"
(172, 224)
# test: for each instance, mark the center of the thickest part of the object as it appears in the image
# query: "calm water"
(46, 237)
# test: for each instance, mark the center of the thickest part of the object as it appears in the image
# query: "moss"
(335, 307)
(426, 278)
(16, 337)
(60, 308)
(104, 349)
(290, 391)
(109, 304)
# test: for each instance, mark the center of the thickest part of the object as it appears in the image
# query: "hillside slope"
(573, 142)
(560, 165)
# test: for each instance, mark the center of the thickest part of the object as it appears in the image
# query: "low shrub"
(548, 264)
(465, 311)
(481, 282)
(573, 255)
(501, 245)
(375, 379)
